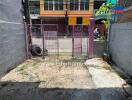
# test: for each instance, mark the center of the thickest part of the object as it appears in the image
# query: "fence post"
(42, 36)
(91, 38)
(72, 41)
(26, 40)
(58, 51)
(81, 39)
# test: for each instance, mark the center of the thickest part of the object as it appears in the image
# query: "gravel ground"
(63, 79)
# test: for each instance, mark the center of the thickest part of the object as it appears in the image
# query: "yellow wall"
(70, 13)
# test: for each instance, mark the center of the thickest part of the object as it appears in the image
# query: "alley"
(65, 79)
(55, 49)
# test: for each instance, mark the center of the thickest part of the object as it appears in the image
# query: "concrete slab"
(63, 79)
(107, 81)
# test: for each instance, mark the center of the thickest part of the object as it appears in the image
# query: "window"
(57, 5)
(53, 4)
(86, 5)
(82, 5)
(76, 4)
(79, 20)
(34, 7)
(46, 2)
(61, 4)
(79, 4)
(72, 4)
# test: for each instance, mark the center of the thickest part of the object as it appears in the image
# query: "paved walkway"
(61, 80)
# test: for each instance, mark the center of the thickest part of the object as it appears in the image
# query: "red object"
(117, 11)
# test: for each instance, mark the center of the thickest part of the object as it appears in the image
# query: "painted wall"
(121, 45)
(12, 38)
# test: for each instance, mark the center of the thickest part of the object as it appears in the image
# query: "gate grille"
(46, 36)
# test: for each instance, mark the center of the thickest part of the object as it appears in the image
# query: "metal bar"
(26, 40)
(30, 33)
(29, 41)
(51, 24)
(42, 35)
(91, 38)
(57, 41)
(43, 56)
(81, 38)
(88, 43)
(72, 41)
(44, 24)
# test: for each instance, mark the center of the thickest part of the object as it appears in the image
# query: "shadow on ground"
(32, 91)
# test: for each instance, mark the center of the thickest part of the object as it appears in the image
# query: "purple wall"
(59, 21)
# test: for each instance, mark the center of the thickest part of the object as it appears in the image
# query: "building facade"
(34, 10)
(66, 13)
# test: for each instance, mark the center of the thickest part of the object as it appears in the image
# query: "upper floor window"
(53, 4)
(34, 7)
(79, 4)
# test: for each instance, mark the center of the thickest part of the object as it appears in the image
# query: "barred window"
(53, 4)
(79, 4)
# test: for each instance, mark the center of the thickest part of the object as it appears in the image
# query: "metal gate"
(77, 41)
(50, 39)
(46, 36)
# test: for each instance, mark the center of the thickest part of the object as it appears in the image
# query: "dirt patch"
(49, 79)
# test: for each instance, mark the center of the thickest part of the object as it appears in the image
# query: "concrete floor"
(64, 79)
